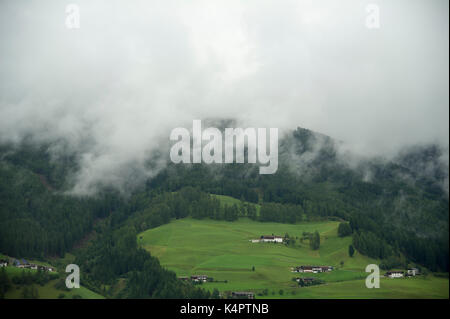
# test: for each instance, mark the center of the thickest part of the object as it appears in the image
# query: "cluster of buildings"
(268, 239)
(196, 278)
(307, 281)
(242, 295)
(312, 269)
(205, 278)
(411, 272)
(302, 281)
(25, 264)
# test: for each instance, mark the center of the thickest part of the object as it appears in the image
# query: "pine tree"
(351, 250)
(314, 241)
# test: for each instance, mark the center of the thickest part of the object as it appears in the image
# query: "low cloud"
(114, 88)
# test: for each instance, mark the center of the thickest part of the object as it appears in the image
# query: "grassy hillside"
(223, 251)
(47, 291)
(227, 200)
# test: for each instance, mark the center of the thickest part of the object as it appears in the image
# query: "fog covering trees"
(39, 218)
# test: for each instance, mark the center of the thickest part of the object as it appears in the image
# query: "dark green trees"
(371, 245)
(251, 212)
(351, 250)
(5, 282)
(115, 254)
(344, 229)
(314, 241)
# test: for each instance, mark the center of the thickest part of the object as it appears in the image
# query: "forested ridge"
(390, 218)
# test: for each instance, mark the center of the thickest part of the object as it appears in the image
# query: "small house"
(412, 272)
(303, 269)
(243, 295)
(271, 239)
(313, 269)
(306, 281)
(326, 268)
(394, 274)
(199, 278)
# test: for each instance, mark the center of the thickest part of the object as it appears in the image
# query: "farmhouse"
(412, 272)
(307, 281)
(26, 265)
(49, 269)
(23, 264)
(271, 239)
(304, 269)
(268, 239)
(243, 295)
(312, 269)
(199, 278)
(394, 274)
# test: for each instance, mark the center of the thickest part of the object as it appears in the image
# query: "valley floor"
(223, 250)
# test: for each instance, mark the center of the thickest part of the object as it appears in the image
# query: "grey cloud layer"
(137, 69)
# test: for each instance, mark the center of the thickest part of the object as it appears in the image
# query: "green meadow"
(230, 201)
(48, 291)
(223, 250)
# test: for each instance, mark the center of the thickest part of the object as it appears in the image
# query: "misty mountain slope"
(392, 199)
(400, 186)
(313, 168)
(380, 196)
(91, 91)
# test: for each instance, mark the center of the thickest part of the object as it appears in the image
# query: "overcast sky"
(136, 69)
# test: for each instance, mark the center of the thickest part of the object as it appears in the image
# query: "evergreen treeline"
(419, 231)
(115, 254)
(388, 216)
(37, 222)
(27, 279)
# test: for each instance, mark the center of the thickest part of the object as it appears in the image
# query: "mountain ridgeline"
(397, 209)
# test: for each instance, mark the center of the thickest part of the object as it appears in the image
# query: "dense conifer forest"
(390, 217)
